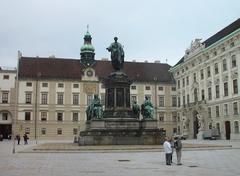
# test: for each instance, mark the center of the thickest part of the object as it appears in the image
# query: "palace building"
(208, 85)
(7, 100)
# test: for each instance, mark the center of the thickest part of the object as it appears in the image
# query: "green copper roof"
(87, 48)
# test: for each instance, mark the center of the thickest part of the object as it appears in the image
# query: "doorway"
(228, 129)
(6, 130)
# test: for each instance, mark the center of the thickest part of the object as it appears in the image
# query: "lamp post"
(16, 106)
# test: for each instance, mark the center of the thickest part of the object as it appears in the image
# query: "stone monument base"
(121, 131)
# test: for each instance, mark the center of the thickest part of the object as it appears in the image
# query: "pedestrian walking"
(168, 150)
(172, 146)
(178, 147)
(25, 137)
(18, 139)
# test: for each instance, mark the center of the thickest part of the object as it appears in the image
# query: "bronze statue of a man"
(117, 54)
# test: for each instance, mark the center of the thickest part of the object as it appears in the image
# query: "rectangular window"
(178, 84)
(29, 84)
(174, 116)
(209, 93)
(75, 131)
(232, 44)
(133, 98)
(183, 82)
(89, 99)
(44, 116)
(188, 100)
(187, 78)
(179, 101)
(203, 94)
(75, 99)
(208, 71)
(217, 111)
(147, 88)
(217, 91)
(236, 127)
(28, 97)
(161, 117)
(216, 68)
(174, 101)
(235, 86)
(27, 116)
(43, 131)
(225, 89)
(5, 97)
(194, 77)
(160, 88)
(75, 117)
(225, 109)
(184, 100)
(202, 75)
(44, 98)
(4, 116)
(234, 61)
(5, 76)
(59, 131)
(224, 64)
(60, 85)
(161, 101)
(75, 86)
(173, 89)
(133, 87)
(60, 116)
(60, 98)
(44, 84)
(235, 108)
(209, 112)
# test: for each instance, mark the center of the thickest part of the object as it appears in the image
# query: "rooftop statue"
(147, 109)
(117, 54)
(94, 110)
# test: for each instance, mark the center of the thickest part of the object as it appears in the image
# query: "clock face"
(89, 73)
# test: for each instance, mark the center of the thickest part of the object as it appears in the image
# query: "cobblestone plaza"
(196, 161)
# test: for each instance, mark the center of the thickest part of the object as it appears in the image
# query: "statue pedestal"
(119, 125)
(200, 135)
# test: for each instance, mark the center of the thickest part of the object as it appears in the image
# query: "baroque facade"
(208, 88)
(7, 100)
(53, 93)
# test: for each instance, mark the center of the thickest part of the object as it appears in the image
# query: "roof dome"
(87, 46)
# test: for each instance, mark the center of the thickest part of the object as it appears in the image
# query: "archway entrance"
(195, 124)
(227, 129)
(5, 130)
(5, 124)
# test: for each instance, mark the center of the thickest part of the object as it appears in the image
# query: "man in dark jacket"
(178, 147)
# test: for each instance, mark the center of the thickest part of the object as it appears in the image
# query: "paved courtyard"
(221, 162)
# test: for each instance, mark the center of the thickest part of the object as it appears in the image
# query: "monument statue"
(117, 54)
(200, 122)
(136, 109)
(94, 110)
(147, 109)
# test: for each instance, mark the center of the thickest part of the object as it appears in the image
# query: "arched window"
(236, 127)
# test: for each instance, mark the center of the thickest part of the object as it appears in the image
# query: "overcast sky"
(149, 29)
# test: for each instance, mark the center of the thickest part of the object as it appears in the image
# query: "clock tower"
(87, 51)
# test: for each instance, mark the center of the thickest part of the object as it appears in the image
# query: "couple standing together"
(168, 146)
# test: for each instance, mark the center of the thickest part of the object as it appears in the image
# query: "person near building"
(18, 138)
(172, 146)
(178, 147)
(25, 137)
(168, 150)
